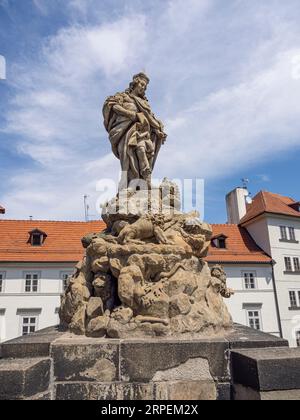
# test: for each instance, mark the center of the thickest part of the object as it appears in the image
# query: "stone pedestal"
(266, 374)
(61, 366)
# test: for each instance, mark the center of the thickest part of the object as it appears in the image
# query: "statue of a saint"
(136, 135)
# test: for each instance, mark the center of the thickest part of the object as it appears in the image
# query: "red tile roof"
(240, 247)
(266, 202)
(63, 242)
(2, 210)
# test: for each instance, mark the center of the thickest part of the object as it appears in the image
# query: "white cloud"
(58, 104)
(228, 98)
(56, 114)
(182, 16)
(233, 127)
(264, 178)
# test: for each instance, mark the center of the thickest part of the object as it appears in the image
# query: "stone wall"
(266, 374)
(56, 365)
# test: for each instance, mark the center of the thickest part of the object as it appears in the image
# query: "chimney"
(236, 202)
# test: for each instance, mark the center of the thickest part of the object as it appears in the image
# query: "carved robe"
(123, 132)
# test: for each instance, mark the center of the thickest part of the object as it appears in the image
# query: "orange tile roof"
(240, 247)
(63, 242)
(266, 202)
(2, 210)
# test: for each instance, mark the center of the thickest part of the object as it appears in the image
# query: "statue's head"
(139, 84)
(219, 272)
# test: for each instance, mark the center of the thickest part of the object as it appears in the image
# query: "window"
(292, 234)
(254, 319)
(29, 325)
(293, 299)
(298, 338)
(292, 265)
(283, 232)
(296, 264)
(288, 264)
(250, 282)
(31, 282)
(65, 276)
(219, 242)
(37, 237)
(2, 278)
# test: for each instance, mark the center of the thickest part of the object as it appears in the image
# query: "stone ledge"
(242, 393)
(244, 337)
(21, 379)
(33, 345)
(39, 344)
(269, 369)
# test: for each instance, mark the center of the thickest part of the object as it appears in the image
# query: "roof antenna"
(245, 182)
(86, 208)
(248, 197)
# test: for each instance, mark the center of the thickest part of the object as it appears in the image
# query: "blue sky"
(225, 79)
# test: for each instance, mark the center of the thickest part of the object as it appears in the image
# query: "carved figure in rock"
(151, 265)
(130, 286)
(146, 227)
(136, 135)
(188, 231)
(218, 282)
(144, 148)
(75, 299)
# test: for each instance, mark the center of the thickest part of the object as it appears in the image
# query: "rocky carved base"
(146, 276)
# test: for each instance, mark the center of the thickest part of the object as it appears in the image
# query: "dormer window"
(295, 206)
(219, 242)
(37, 237)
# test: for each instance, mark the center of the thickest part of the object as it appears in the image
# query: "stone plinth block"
(22, 379)
(266, 373)
(148, 360)
(33, 345)
(86, 360)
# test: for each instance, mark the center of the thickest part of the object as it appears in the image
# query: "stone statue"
(136, 135)
(146, 274)
(218, 282)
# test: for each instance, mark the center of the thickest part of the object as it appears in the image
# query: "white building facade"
(273, 221)
(253, 303)
(284, 247)
(30, 296)
(250, 274)
(36, 260)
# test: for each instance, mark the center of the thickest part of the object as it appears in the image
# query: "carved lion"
(144, 228)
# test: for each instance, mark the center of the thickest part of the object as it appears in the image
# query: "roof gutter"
(242, 224)
(236, 262)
